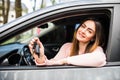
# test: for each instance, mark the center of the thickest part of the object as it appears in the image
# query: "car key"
(36, 48)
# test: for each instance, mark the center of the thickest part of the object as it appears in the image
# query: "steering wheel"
(27, 58)
(21, 56)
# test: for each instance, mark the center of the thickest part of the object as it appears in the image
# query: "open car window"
(55, 25)
(53, 34)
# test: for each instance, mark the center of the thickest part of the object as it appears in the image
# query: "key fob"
(36, 48)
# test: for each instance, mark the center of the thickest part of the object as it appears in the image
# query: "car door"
(63, 20)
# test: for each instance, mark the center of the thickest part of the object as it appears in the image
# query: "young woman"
(85, 49)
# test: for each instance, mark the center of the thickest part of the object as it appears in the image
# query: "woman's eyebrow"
(88, 27)
(91, 29)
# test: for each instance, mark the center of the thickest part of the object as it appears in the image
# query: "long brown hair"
(93, 44)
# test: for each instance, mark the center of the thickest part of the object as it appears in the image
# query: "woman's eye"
(90, 32)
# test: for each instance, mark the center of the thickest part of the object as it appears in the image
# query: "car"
(54, 25)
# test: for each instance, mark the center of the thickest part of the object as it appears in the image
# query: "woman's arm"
(42, 59)
(97, 59)
(63, 52)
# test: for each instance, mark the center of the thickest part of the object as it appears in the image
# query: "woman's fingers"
(31, 45)
(33, 52)
(39, 43)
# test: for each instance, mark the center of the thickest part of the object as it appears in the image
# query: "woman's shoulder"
(99, 48)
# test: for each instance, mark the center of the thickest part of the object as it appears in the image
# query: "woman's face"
(86, 31)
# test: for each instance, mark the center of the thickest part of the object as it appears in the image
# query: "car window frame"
(47, 20)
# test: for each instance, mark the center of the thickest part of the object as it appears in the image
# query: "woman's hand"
(41, 58)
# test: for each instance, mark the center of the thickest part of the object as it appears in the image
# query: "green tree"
(53, 2)
(18, 8)
(5, 10)
(18, 12)
(43, 4)
(34, 5)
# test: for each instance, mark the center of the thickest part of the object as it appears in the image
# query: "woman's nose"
(83, 30)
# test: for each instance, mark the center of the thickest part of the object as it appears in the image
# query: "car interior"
(67, 25)
(54, 38)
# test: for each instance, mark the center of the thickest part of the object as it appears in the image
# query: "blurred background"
(12, 9)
